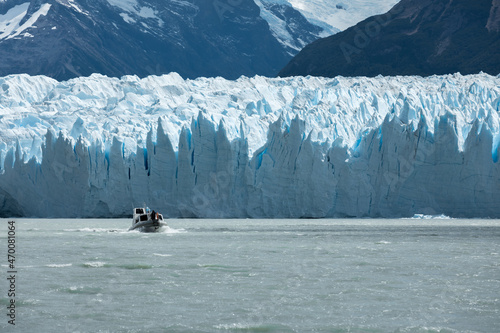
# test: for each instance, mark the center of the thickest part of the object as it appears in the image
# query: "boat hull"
(148, 226)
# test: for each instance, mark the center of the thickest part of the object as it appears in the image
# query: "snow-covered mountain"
(254, 147)
(70, 38)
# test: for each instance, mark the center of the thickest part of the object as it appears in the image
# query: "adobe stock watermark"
(300, 270)
(157, 70)
(213, 193)
(224, 6)
(407, 164)
(11, 272)
(364, 35)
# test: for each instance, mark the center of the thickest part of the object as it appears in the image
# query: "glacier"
(250, 148)
(340, 14)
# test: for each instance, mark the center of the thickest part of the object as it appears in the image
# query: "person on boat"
(153, 215)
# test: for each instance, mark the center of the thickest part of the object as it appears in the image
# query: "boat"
(145, 220)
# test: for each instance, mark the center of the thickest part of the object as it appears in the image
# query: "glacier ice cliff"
(254, 147)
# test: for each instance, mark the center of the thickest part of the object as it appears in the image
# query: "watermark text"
(11, 272)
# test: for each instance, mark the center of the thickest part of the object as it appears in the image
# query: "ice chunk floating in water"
(254, 147)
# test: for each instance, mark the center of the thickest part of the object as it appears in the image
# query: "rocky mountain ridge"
(67, 38)
(423, 37)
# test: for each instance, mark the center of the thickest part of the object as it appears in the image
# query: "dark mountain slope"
(416, 37)
(192, 37)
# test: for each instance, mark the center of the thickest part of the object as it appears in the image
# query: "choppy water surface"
(256, 276)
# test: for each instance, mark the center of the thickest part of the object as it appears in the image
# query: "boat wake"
(162, 230)
(97, 230)
(429, 217)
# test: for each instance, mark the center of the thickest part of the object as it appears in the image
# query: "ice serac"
(254, 147)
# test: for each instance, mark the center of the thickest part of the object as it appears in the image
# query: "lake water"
(407, 275)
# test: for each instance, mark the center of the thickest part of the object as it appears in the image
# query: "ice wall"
(255, 147)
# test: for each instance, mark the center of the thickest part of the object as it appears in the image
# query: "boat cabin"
(140, 215)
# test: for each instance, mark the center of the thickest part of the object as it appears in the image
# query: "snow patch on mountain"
(73, 5)
(341, 14)
(10, 23)
(126, 5)
(132, 7)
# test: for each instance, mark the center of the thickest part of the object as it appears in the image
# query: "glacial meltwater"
(406, 275)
